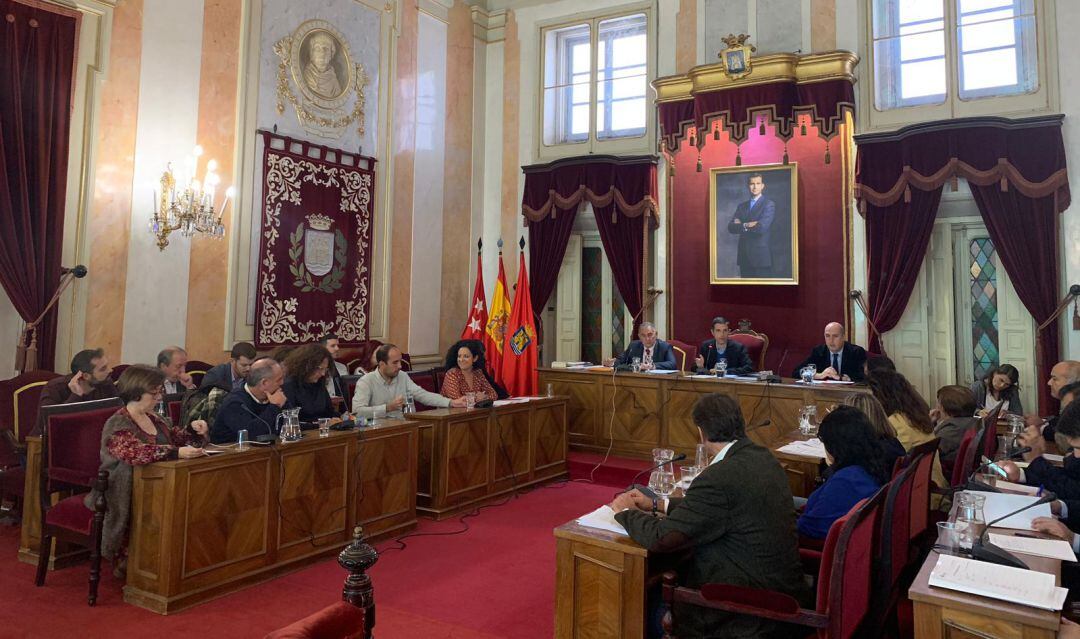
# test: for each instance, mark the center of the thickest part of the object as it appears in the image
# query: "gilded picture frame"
(754, 241)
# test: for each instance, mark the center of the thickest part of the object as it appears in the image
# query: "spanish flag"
(519, 352)
(498, 316)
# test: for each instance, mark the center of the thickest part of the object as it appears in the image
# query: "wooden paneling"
(386, 496)
(479, 454)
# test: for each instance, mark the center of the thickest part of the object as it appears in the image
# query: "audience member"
(465, 372)
(1068, 507)
(837, 358)
(305, 387)
(855, 457)
(254, 407)
(173, 361)
(133, 436)
(891, 448)
(1064, 481)
(384, 390)
(712, 350)
(877, 363)
(231, 375)
(908, 412)
(651, 352)
(1001, 384)
(953, 416)
(89, 380)
(334, 385)
(1062, 374)
(736, 517)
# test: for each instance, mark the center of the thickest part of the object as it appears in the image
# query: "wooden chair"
(427, 380)
(19, 400)
(70, 442)
(353, 616)
(117, 371)
(685, 353)
(757, 344)
(361, 355)
(844, 589)
(921, 457)
(894, 558)
(197, 370)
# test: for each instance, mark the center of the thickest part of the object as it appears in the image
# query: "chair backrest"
(988, 434)
(425, 379)
(117, 371)
(845, 585)
(198, 370)
(922, 457)
(966, 458)
(440, 375)
(175, 411)
(360, 355)
(895, 526)
(348, 383)
(757, 344)
(20, 397)
(70, 442)
(685, 353)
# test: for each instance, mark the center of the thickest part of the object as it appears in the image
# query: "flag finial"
(479, 244)
(500, 243)
(521, 243)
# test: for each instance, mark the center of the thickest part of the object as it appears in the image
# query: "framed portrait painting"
(753, 225)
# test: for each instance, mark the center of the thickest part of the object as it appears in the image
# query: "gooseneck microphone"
(270, 436)
(983, 550)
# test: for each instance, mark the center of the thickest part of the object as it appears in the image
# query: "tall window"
(598, 66)
(931, 51)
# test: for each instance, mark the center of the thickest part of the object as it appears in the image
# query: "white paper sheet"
(1001, 504)
(809, 448)
(833, 381)
(1016, 488)
(1014, 585)
(1052, 548)
(602, 518)
(661, 372)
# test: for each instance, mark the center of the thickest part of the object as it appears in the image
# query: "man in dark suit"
(654, 353)
(253, 407)
(737, 517)
(711, 350)
(837, 358)
(231, 375)
(752, 222)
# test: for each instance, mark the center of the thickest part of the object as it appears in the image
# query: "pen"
(1040, 491)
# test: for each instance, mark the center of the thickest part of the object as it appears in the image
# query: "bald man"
(836, 359)
(1061, 375)
(253, 407)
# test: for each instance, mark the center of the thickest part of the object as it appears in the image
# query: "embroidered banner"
(315, 245)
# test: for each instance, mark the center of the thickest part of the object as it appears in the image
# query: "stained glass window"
(618, 322)
(984, 307)
(592, 310)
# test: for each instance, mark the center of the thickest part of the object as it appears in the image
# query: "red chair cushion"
(336, 621)
(12, 480)
(71, 513)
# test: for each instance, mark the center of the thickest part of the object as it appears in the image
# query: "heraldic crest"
(315, 251)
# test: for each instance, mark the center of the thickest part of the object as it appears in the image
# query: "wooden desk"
(599, 584)
(202, 528)
(468, 456)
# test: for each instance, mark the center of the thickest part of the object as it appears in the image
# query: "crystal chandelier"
(191, 209)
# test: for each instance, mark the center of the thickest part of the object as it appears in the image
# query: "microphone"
(855, 294)
(983, 550)
(79, 271)
(778, 376)
(679, 457)
(266, 437)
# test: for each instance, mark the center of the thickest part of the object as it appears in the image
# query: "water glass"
(948, 537)
(242, 440)
(701, 459)
(324, 427)
(807, 373)
(808, 420)
(721, 367)
(688, 473)
(969, 511)
(662, 482)
(551, 390)
(635, 364)
(470, 400)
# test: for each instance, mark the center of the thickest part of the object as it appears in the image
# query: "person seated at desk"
(711, 350)
(858, 470)
(89, 380)
(334, 385)
(654, 354)
(305, 385)
(383, 390)
(953, 417)
(736, 517)
(253, 407)
(465, 372)
(1068, 507)
(1062, 375)
(133, 436)
(172, 361)
(1001, 384)
(891, 448)
(908, 412)
(230, 375)
(836, 359)
(1063, 481)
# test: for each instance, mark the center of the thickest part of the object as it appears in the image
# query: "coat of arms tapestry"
(315, 245)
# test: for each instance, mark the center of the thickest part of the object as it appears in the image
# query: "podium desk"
(202, 528)
(468, 456)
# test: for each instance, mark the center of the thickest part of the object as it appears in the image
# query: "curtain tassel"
(907, 195)
(614, 216)
(761, 126)
(671, 170)
(738, 156)
(802, 129)
(828, 153)
(716, 133)
(699, 163)
(554, 211)
(1004, 184)
(786, 159)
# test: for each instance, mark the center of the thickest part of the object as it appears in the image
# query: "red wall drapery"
(1017, 173)
(37, 57)
(622, 192)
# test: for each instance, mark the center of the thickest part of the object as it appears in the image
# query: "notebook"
(1014, 585)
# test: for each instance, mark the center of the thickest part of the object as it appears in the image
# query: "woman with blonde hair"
(891, 447)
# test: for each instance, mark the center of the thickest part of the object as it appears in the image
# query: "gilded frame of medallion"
(714, 227)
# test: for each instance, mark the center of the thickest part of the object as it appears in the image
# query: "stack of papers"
(511, 400)
(1001, 504)
(809, 448)
(602, 518)
(1051, 548)
(1014, 585)
(661, 372)
(832, 381)
(1008, 486)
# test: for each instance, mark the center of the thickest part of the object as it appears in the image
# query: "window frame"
(591, 143)
(1043, 99)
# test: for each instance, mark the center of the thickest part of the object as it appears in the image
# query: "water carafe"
(288, 424)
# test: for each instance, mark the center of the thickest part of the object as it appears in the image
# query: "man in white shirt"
(383, 390)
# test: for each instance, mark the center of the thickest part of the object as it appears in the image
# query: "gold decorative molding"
(777, 67)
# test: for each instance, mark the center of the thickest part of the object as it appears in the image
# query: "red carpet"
(495, 580)
(614, 471)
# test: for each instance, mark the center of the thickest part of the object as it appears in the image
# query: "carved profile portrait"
(325, 70)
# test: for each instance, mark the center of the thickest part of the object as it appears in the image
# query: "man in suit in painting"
(753, 222)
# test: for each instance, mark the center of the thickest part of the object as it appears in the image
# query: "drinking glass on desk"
(721, 367)
(807, 373)
(701, 460)
(948, 537)
(808, 420)
(324, 427)
(470, 400)
(635, 365)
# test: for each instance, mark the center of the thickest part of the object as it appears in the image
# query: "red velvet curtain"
(624, 245)
(37, 54)
(897, 237)
(1024, 232)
